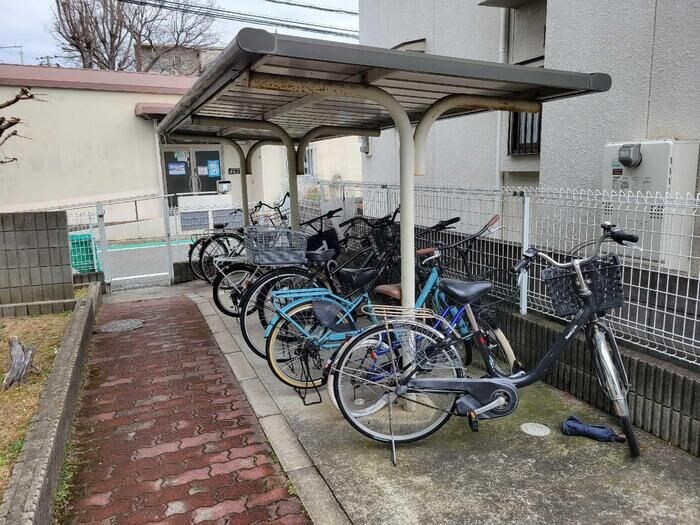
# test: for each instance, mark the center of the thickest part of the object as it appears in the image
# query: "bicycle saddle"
(219, 225)
(390, 290)
(357, 278)
(462, 292)
(320, 256)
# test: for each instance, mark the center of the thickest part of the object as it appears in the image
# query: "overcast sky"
(28, 22)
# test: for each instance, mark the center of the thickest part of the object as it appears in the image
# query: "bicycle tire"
(193, 257)
(632, 442)
(279, 365)
(217, 245)
(221, 281)
(444, 413)
(250, 302)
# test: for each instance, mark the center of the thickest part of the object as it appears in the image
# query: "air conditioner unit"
(656, 167)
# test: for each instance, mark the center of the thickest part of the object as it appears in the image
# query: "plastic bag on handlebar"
(330, 236)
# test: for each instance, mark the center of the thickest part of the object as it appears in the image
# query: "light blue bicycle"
(312, 324)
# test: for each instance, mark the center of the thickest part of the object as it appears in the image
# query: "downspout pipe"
(503, 35)
(450, 102)
(282, 135)
(332, 88)
(328, 131)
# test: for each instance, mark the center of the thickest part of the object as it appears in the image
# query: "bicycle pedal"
(473, 421)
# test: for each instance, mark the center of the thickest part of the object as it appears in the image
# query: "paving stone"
(168, 427)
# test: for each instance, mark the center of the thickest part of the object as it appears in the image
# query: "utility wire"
(314, 6)
(239, 16)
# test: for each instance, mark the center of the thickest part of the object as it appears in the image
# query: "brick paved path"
(166, 434)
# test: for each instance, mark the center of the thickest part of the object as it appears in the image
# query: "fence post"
(168, 244)
(525, 279)
(388, 200)
(104, 244)
(320, 196)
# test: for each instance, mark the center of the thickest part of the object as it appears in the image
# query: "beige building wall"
(85, 146)
(338, 159)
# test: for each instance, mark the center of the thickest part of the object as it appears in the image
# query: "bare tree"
(8, 124)
(107, 34)
(94, 33)
(159, 32)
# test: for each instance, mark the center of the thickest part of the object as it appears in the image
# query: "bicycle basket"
(604, 278)
(274, 246)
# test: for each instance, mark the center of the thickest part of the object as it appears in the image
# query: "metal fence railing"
(662, 311)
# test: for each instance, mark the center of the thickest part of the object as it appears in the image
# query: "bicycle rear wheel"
(292, 348)
(194, 254)
(229, 286)
(216, 248)
(370, 370)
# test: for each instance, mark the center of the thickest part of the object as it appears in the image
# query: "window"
(524, 133)
(309, 162)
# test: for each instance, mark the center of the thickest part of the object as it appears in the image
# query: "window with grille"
(524, 133)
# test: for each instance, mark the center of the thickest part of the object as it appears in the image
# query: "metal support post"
(168, 240)
(525, 278)
(104, 245)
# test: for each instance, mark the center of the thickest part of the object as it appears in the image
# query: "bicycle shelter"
(288, 89)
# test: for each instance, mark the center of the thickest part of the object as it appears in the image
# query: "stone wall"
(664, 399)
(35, 266)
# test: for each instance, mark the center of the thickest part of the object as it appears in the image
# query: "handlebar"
(610, 231)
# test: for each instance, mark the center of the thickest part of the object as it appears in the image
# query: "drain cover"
(122, 325)
(535, 429)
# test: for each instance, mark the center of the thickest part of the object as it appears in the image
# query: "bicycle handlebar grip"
(345, 223)
(620, 236)
(449, 222)
(333, 212)
(520, 265)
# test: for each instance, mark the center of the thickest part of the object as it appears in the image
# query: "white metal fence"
(662, 313)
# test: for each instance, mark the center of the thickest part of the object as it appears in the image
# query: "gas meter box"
(652, 166)
(656, 167)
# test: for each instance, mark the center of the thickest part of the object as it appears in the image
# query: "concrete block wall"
(182, 272)
(664, 399)
(35, 266)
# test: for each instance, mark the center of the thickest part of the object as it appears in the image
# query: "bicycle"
(419, 367)
(312, 325)
(199, 240)
(341, 278)
(226, 247)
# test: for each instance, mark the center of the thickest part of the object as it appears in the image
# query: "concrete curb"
(30, 492)
(312, 489)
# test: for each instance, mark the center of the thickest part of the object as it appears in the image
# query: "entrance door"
(191, 169)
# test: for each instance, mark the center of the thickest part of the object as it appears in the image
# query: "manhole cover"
(122, 325)
(535, 429)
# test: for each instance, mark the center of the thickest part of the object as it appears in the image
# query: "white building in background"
(651, 49)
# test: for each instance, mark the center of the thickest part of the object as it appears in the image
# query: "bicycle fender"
(286, 308)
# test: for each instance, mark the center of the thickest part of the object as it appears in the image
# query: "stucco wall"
(460, 151)
(85, 145)
(649, 47)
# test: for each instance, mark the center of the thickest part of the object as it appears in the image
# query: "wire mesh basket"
(603, 276)
(274, 246)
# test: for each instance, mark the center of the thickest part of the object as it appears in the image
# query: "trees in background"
(108, 34)
(8, 125)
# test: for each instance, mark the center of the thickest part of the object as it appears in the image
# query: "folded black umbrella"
(575, 427)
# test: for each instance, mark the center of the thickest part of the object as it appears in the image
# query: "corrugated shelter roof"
(416, 80)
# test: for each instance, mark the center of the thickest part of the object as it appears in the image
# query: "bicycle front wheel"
(215, 249)
(371, 369)
(194, 254)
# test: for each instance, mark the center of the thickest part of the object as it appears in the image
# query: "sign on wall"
(177, 168)
(214, 169)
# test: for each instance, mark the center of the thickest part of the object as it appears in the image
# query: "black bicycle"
(401, 380)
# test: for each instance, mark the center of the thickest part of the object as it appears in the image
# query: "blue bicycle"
(312, 324)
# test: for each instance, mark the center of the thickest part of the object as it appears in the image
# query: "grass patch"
(18, 405)
(64, 489)
(80, 292)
